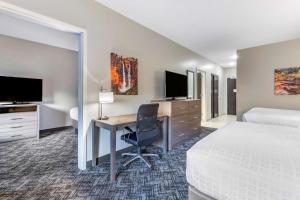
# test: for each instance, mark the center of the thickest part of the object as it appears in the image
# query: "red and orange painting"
(287, 81)
(124, 75)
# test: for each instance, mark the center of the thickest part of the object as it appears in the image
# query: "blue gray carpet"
(47, 169)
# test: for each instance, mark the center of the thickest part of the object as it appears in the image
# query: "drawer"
(179, 122)
(194, 129)
(18, 135)
(12, 118)
(17, 126)
(179, 135)
(195, 106)
(30, 131)
(179, 108)
(195, 117)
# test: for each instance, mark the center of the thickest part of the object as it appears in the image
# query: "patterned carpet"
(47, 169)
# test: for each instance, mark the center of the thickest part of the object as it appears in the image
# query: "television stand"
(18, 121)
(15, 103)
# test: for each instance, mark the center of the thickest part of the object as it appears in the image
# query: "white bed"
(247, 161)
(281, 117)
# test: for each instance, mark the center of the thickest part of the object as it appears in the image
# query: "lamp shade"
(106, 97)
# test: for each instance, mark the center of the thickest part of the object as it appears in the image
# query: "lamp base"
(103, 118)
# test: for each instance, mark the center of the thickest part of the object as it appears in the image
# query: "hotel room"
(110, 99)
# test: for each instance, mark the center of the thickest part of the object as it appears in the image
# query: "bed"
(246, 161)
(281, 117)
(74, 118)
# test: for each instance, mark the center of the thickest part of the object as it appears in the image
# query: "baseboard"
(55, 129)
(106, 158)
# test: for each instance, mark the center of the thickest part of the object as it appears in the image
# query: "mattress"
(281, 117)
(247, 161)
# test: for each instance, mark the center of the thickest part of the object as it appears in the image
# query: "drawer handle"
(16, 119)
(181, 135)
(196, 117)
(181, 121)
(16, 135)
(195, 128)
(17, 127)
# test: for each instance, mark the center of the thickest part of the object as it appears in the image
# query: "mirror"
(191, 84)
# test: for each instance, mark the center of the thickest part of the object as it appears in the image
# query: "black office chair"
(147, 131)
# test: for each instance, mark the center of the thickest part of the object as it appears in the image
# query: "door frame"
(204, 101)
(43, 20)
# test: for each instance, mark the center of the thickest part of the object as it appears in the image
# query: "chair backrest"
(147, 117)
(147, 128)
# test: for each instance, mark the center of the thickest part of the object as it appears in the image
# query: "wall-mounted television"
(20, 90)
(175, 85)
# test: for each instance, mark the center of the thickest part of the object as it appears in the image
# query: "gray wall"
(56, 66)
(255, 72)
(108, 31)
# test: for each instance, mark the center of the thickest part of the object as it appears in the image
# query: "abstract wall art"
(287, 81)
(124, 75)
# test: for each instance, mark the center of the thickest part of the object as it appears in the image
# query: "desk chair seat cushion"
(142, 139)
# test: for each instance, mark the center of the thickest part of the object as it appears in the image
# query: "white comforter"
(281, 117)
(247, 161)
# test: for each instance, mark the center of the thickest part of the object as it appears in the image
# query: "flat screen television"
(20, 90)
(176, 85)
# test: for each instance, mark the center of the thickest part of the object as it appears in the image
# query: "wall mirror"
(191, 84)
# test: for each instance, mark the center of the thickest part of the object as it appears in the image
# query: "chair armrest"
(128, 129)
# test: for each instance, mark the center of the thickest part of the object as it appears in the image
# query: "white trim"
(61, 26)
(28, 15)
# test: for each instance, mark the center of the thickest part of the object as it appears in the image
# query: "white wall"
(56, 66)
(109, 32)
(19, 28)
(228, 73)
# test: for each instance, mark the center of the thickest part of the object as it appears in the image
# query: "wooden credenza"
(18, 122)
(184, 119)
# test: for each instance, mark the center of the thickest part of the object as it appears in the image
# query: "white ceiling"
(216, 28)
(26, 30)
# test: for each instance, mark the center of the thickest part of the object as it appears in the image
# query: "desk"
(113, 124)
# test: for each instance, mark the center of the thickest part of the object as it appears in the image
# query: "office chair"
(147, 131)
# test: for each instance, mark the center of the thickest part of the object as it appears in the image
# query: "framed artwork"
(124, 75)
(287, 81)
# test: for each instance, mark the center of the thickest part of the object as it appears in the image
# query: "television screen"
(13, 89)
(176, 85)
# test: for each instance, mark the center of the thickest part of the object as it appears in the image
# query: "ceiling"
(23, 29)
(216, 28)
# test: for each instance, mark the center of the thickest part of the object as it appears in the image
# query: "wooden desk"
(113, 124)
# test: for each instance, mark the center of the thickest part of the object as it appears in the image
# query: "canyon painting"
(287, 81)
(124, 75)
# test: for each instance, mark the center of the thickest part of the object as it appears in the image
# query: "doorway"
(231, 96)
(52, 23)
(201, 93)
(214, 96)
